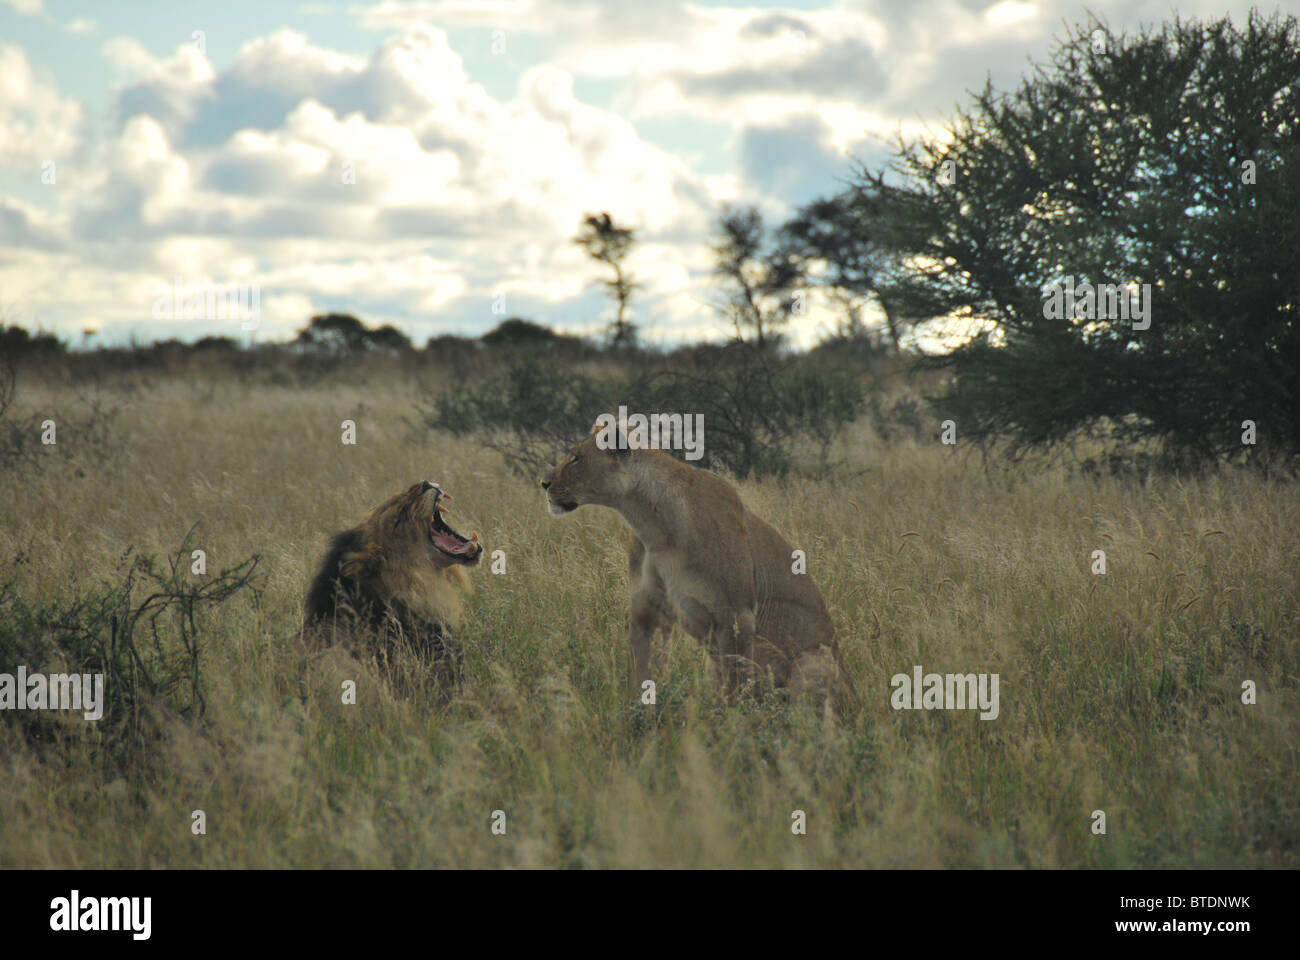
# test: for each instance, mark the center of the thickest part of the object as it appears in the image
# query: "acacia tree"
(338, 332)
(760, 282)
(1170, 158)
(344, 333)
(836, 243)
(608, 243)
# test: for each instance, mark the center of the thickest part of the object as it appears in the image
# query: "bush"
(528, 414)
(18, 344)
(142, 633)
(758, 408)
(20, 437)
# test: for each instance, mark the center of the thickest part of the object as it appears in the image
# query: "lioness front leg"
(640, 636)
(729, 639)
(737, 650)
(646, 599)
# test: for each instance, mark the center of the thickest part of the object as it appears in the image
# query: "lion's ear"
(358, 563)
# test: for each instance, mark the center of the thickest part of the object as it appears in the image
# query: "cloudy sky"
(422, 163)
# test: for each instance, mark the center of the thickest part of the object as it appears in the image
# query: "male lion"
(701, 559)
(392, 581)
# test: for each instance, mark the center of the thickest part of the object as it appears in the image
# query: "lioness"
(393, 580)
(701, 559)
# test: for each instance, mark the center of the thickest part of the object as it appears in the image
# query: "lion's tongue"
(452, 544)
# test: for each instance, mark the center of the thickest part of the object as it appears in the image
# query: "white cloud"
(742, 63)
(24, 225)
(282, 315)
(26, 7)
(128, 56)
(435, 151)
(457, 194)
(1010, 11)
(216, 174)
(36, 124)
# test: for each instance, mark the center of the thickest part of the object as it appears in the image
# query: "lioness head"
(409, 528)
(587, 475)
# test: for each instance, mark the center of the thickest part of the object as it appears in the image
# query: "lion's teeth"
(474, 538)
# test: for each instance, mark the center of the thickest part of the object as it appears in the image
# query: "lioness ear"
(358, 563)
(609, 436)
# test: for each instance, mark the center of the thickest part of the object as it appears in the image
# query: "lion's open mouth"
(448, 540)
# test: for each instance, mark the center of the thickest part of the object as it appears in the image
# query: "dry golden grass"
(1120, 692)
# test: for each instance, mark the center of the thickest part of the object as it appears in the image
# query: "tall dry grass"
(1119, 693)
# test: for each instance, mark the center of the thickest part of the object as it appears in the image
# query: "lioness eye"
(576, 458)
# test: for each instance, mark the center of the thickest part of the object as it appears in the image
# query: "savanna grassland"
(1120, 693)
